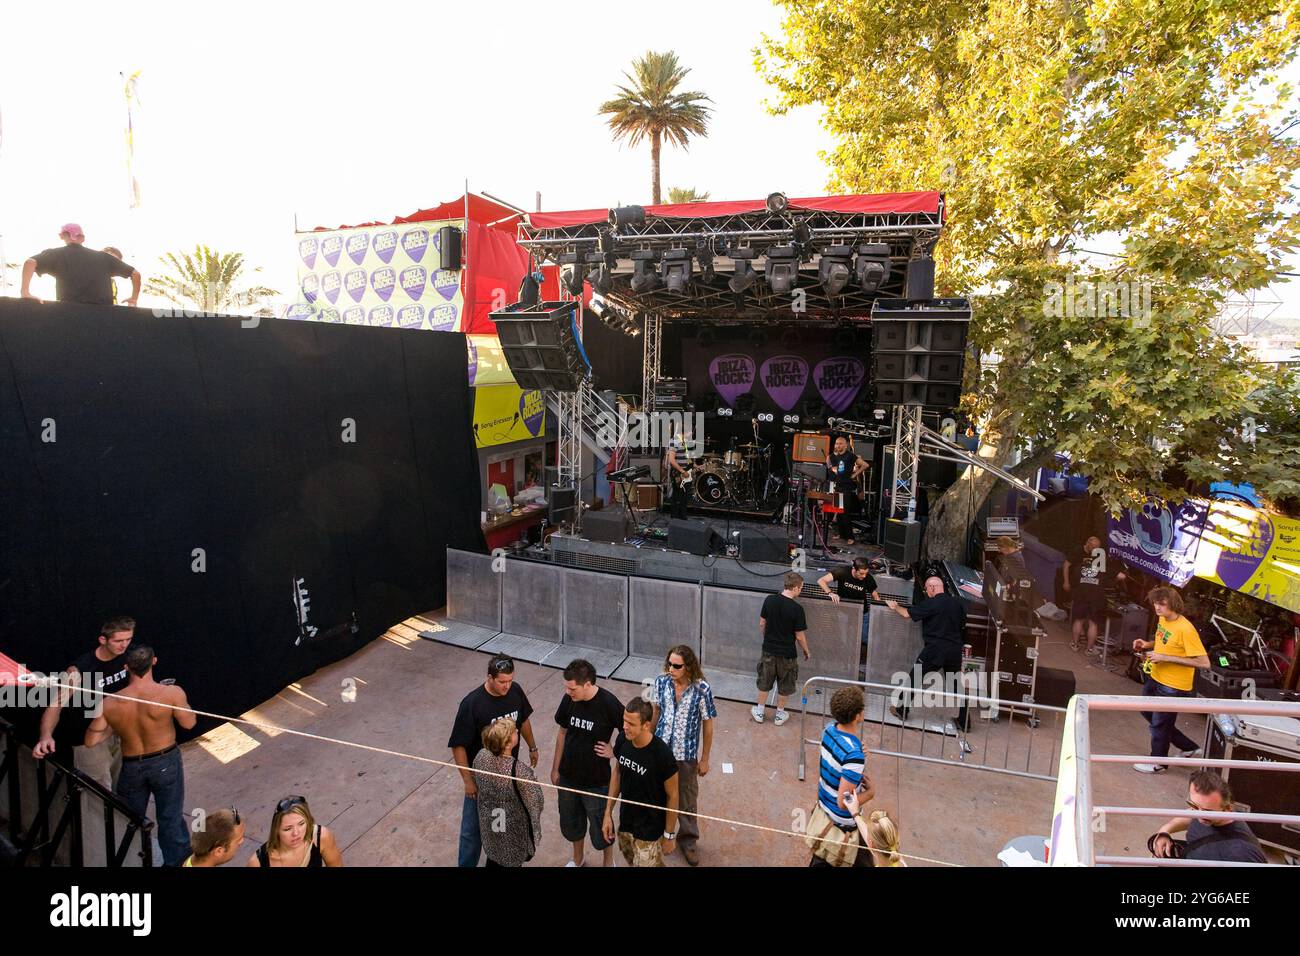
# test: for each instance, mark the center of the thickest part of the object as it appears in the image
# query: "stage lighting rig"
(777, 203)
(644, 276)
(574, 275)
(802, 236)
(675, 270)
(834, 270)
(599, 272)
(612, 316)
(745, 275)
(623, 216)
(782, 271)
(704, 256)
(872, 266)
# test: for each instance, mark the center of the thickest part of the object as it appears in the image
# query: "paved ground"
(405, 810)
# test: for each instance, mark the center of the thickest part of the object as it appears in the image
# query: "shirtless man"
(151, 761)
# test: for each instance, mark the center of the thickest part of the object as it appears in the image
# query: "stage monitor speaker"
(562, 504)
(757, 544)
(920, 278)
(685, 534)
(449, 248)
(607, 524)
(902, 542)
(541, 345)
(1053, 686)
(918, 351)
(811, 448)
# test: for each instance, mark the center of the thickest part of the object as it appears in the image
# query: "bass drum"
(712, 488)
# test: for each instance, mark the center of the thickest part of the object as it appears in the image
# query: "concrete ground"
(402, 807)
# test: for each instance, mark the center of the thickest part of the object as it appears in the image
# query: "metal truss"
(651, 349)
(706, 294)
(907, 460)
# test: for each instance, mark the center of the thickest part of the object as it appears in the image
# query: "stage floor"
(391, 810)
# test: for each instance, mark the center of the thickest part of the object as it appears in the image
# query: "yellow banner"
(506, 413)
(487, 361)
(1251, 551)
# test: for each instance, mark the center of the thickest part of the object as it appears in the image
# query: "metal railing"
(1075, 812)
(1001, 733)
(48, 805)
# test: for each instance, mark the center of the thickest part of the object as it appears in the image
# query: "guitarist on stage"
(677, 466)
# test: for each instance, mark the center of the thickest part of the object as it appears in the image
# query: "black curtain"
(209, 479)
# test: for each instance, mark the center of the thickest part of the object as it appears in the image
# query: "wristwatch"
(670, 836)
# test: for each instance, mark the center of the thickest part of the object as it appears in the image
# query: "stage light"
(644, 276)
(675, 270)
(704, 256)
(833, 271)
(782, 270)
(622, 216)
(605, 242)
(790, 419)
(872, 266)
(745, 276)
(802, 233)
(572, 277)
(725, 411)
(777, 203)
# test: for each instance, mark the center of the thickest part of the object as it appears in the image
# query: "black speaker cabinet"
(918, 350)
(689, 535)
(540, 343)
(449, 247)
(607, 524)
(759, 545)
(902, 541)
(1054, 686)
(1258, 791)
(920, 278)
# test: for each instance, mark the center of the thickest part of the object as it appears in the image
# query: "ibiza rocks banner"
(506, 413)
(383, 276)
(777, 379)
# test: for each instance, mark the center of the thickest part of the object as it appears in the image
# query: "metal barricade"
(54, 828)
(1021, 740)
(1076, 811)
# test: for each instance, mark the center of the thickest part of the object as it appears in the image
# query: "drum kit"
(739, 477)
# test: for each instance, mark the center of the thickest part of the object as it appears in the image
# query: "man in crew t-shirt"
(587, 717)
(1171, 662)
(645, 772)
(782, 623)
(496, 698)
(853, 582)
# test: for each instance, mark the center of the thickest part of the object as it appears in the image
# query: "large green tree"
(651, 107)
(207, 280)
(1158, 125)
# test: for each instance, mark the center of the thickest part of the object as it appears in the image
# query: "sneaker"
(781, 717)
(571, 863)
(965, 745)
(1150, 767)
(691, 855)
(757, 714)
(1194, 752)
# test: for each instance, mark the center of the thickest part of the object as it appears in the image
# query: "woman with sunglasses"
(297, 839)
(683, 716)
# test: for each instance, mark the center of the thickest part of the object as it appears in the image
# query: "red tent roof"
(480, 210)
(872, 203)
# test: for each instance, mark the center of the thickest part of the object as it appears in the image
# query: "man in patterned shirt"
(683, 717)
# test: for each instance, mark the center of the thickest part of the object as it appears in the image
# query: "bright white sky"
(254, 113)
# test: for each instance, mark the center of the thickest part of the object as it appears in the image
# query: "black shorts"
(1088, 606)
(583, 814)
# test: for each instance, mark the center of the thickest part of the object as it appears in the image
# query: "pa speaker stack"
(541, 346)
(918, 348)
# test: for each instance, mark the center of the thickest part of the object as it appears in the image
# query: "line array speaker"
(541, 344)
(918, 351)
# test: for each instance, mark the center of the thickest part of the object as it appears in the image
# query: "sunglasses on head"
(288, 803)
(235, 813)
(502, 665)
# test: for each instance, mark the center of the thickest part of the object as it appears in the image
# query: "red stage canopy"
(493, 260)
(872, 203)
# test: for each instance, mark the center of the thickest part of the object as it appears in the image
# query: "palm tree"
(650, 107)
(208, 280)
(676, 195)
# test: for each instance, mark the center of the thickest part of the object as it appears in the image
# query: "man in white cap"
(80, 274)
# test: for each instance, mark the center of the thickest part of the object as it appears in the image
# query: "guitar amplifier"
(811, 447)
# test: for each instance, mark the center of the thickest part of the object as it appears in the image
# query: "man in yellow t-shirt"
(1174, 654)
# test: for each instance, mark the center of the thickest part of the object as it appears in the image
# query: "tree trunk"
(952, 515)
(656, 142)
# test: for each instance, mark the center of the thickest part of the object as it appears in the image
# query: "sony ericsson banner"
(506, 413)
(1230, 543)
(383, 276)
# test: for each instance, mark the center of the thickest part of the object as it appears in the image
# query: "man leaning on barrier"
(943, 629)
(1226, 841)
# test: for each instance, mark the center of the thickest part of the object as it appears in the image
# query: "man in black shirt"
(853, 583)
(103, 669)
(943, 629)
(482, 707)
(80, 274)
(1225, 841)
(843, 468)
(782, 623)
(645, 771)
(587, 716)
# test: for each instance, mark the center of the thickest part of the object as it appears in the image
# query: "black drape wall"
(173, 434)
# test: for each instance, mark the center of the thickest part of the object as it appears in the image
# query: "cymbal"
(749, 445)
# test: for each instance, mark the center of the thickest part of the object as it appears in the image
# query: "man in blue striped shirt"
(843, 767)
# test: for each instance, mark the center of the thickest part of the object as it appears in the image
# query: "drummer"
(843, 468)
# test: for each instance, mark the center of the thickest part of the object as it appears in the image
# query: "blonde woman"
(879, 832)
(509, 806)
(297, 839)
